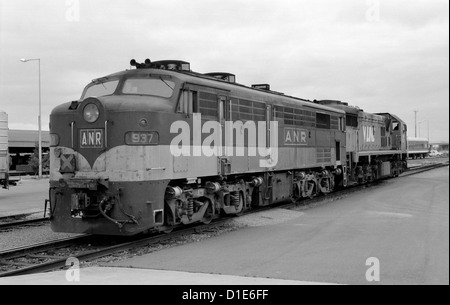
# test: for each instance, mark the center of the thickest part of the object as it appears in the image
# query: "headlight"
(91, 113)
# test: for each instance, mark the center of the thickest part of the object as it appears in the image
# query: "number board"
(91, 138)
(142, 138)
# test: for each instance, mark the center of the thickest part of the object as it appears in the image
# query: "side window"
(207, 104)
(188, 102)
(246, 110)
(335, 123)
(194, 101)
(341, 124)
(289, 117)
(352, 120)
(222, 108)
(295, 116)
(203, 100)
(278, 114)
(182, 102)
(323, 121)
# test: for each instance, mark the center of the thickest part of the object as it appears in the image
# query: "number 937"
(142, 138)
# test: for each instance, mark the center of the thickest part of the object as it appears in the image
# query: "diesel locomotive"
(158, 146)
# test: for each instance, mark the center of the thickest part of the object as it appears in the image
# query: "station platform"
(135, 276)
(27, 197)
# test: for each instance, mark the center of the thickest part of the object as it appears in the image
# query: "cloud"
(311, 49)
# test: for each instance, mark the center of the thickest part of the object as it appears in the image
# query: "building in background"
(22, 144)
(4, 159)
(439, 149)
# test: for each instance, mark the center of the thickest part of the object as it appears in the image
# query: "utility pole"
(39, 115)
(415, 123)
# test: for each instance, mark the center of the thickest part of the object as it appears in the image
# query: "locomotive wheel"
(209, 214)
(241, 204)
(168, 226)
(311, 188)
(168, 230)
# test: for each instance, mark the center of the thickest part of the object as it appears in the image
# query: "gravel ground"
(267, 218)
(33, 235)
(27, 236)
(22, 217)
(419, 162)
(173, 242)
(263, 218)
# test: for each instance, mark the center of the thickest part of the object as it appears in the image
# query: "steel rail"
(12, 224)
(423, 168)
(44, 246)
(17, 216)
(58, 263)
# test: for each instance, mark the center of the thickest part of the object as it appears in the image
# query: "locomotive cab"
(398, 131)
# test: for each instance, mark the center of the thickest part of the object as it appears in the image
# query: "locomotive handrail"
(106, 134)
(72, 124)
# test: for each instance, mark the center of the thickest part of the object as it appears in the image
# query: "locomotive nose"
(89, 135)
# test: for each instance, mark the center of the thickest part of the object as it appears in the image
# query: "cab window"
(149, 86)
(101, 89)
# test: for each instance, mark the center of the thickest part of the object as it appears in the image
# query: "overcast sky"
(380, 55)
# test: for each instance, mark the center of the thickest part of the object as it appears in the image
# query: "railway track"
(17, 224)
(424, 168)
(14, 217)
(35, 258)
(53, 255)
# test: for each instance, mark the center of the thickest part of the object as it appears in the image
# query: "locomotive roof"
(195, 78)
(340, 105)
(393, 116)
